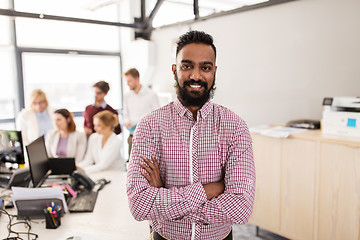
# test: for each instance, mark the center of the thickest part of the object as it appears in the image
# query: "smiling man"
(191, 171)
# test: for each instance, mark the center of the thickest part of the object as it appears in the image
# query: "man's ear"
(173, 69)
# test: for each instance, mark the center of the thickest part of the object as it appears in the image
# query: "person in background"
(35, 121)
(103, 151)
(65, 141)
(101, 89)
(137, 103)
(191, 171)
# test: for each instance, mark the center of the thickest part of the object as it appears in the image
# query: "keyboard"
(84, 202)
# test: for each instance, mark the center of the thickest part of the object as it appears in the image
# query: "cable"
(102, 183)
(27, 223)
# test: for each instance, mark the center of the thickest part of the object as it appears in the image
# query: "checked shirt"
(216, 146)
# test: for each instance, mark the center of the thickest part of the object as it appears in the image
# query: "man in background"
(101, 89)
(138, 102)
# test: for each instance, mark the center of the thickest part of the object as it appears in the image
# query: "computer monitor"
(38, 161)
(11, 147)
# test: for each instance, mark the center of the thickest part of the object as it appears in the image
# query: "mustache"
(190, 82)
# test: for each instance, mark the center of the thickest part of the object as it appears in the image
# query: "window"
(66, 35)
(67, 79)
(7, 76)
(172, 11)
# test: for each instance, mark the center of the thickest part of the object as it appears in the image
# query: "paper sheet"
(275, 131)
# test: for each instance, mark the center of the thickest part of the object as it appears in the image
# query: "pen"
(53, 206)
(53, 219)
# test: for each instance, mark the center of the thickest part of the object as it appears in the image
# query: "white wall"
(276, 64)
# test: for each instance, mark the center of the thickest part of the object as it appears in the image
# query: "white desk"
(111, 218)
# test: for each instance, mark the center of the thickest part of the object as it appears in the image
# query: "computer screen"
(11, 147)
(38, 161)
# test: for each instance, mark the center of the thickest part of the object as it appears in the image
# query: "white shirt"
(98, 158)
(138, 105)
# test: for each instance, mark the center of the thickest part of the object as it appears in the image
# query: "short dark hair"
(195, 37)
(103, 86)
(133, 72)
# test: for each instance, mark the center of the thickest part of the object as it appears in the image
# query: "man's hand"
(128, 125)
(80, 168)
(214, 189)
(88, 131)
(152, 173)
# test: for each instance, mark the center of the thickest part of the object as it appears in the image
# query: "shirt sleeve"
(80, 146)
(150, 203)
(48, 143)
(21, 125)
(126, 110)
(87, 161)
(236, 203)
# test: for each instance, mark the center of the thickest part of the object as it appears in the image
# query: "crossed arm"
(152, 175)
(209, 203)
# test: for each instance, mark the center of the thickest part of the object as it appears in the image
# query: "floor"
(248, 232)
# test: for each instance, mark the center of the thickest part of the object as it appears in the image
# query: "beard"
(190, 99)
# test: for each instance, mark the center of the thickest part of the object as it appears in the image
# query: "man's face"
(131, 82)
(99, 95)
(194, 73)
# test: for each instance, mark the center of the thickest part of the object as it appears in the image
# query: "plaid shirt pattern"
(217, 146)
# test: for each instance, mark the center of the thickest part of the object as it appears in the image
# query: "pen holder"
(53, 221)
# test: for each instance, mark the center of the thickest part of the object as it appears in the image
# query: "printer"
(341, 116)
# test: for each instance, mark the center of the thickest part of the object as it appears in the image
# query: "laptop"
(62, 166)
(41, 167)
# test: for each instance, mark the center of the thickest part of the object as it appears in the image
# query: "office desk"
(111, 218)
(307, 186)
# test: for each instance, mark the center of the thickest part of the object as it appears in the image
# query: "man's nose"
(196, 74)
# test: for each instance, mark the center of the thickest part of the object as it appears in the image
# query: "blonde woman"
(35, 121)
(103, 151)
(65, 141)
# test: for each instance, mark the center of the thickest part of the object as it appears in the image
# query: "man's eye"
(207, 68)
(185, 66)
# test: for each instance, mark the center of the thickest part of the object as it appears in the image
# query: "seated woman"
(103, 151)
(65, 141)
(36, 120)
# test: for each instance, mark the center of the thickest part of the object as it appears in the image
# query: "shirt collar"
(203, 112)
(41, 114)
(103, 105)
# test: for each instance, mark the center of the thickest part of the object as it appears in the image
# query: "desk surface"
(111, 218)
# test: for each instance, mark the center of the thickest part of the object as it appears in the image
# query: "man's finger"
(146, 168)
(150, 164)
(155, 162)
(148, 178)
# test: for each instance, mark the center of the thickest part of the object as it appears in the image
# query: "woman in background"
(35, 121)
(65, 141)
(103, 151)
